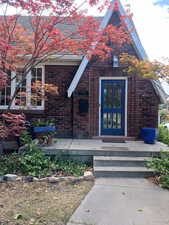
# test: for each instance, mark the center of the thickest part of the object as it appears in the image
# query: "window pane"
(36, 93)
(3, 97)
(5, 94)
(20, 99)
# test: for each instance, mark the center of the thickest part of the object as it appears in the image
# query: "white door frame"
(126, 100)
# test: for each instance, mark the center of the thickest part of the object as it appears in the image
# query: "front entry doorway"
(113, 107)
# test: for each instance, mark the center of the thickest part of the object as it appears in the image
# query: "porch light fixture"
(115, 61)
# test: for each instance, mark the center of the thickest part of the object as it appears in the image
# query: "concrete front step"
(100, 152)
(133, 172)
(120, 161)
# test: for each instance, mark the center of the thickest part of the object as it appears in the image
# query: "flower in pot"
(44, 130)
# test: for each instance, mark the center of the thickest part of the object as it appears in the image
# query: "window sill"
(22, 108)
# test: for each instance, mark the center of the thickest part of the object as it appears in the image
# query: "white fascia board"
(159, 91)
(68, 57)
(77, 76)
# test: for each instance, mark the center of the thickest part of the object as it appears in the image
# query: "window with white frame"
(27, 97)
(5, 96)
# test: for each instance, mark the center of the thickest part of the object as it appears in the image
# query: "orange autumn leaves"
(30, 40)
(145, 68)
(11, 124)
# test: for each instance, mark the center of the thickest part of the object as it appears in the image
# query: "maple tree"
(41, 37)
(147, 69)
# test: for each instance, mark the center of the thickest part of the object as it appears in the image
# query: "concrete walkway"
(122, 201)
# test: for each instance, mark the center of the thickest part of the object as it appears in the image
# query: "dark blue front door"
(113, 107)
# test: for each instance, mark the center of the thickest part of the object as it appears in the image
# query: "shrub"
(163, 135)
(25, 137)
(34, 162)
(161, 166)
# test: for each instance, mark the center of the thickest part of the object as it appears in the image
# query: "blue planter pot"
(44, 129)
(149, 135)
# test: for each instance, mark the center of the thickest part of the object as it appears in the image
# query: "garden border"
(88, 175)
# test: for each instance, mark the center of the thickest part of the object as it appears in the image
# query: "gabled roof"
(136, 44)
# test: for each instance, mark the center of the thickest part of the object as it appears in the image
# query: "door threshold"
(114, 138)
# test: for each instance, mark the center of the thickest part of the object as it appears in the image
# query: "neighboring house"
(95, 97)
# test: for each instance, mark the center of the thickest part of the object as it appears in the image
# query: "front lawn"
(40, 203)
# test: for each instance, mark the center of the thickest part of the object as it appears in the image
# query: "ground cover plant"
(33, 162)
(40, 203)
(161, 166)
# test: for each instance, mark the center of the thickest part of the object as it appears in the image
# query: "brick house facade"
(77, 109)
(142, 102)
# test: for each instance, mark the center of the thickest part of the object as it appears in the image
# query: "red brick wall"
(142, 103)
(58, 107)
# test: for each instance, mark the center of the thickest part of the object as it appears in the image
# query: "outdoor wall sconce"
(115, 61)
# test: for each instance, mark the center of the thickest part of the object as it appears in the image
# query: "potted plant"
(44, 130)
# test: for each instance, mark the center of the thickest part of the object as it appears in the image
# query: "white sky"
(152, 24)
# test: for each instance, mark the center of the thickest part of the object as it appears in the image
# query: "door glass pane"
(117, 91)
(112, 95)
(108, 95)
(112, 120)
(109, 120)
(105, 120)
(117, 120)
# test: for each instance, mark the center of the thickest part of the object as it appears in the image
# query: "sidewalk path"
(123, 201)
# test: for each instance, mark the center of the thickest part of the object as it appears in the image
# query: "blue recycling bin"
(149, 135)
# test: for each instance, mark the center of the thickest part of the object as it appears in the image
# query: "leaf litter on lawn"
(40, 203)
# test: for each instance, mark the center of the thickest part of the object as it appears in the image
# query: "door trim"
(126, 100)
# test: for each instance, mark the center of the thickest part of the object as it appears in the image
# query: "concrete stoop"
(129, 165)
